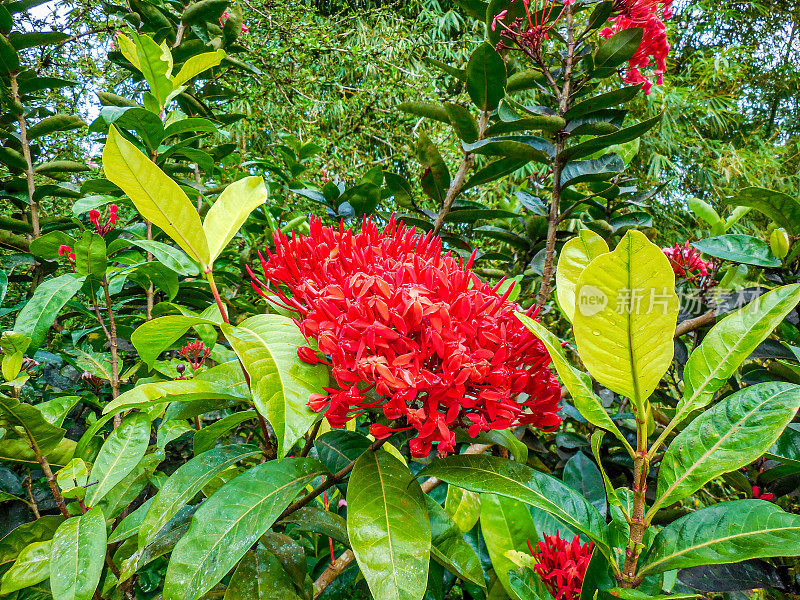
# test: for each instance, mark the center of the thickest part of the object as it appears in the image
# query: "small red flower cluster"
(562, 565)
(410, 331)
(225, 16)
(686, 261)
(64, 250)
(529, 33)
(94, 217)
(645, 14)
(195, 353)
(765, 496)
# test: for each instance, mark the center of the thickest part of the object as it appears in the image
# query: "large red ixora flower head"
(562, 565)
(410, 331)
(650, 16)
(686, 261)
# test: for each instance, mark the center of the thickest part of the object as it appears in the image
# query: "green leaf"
(338, 448)
(73, 478)
(436, 178)
(462, 121)
(605, 141)
(781, 208)
(727, 345)
(21, 41)
(574, 257)
(463, 506)
(705, 211)
(90, 255)
(155, 63)
(625, 318)
(527, 123)
(596, 169)
(525, 80)
(40, 530)
(151, 338)
(36, 317)
(316, 519)
(32, 566)
(196, 64)
(206, 438)
(230, 211)
(492, 475)
(725, 533)
(506, 525)
(169, 256)
(9, 59)
(787, 447)
(260, 574)
(204, 11)
(13, 345)
(616, 50)
(581, 474)
(449, 549)
(494, 171)
(427, 110)
(157, 197)
(132, 118)
(739, 248)
(231, 521)
(730, 435)
(15, 414)
(518, 147)
(486, 77)
(611, 493)
(119, 455)
(281, 383)
(186, 482)
(388, 526)
(53, 124)
(77, 556)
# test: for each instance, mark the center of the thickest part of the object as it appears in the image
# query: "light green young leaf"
(156, 196)
(575, 256)
(155, 63)
(196, 64)
(151, 338)
(281, 383)
(13, 345)
(230, 211)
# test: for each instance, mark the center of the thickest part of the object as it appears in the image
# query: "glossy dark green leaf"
(339, 447)
(119, 455)
(744, 249)
(486, 77)
(517, 147)
(32, 39)
(489, 474)
(206, 438)
(596, 169)
(316, 519)
(494, 171)
(473, 8)
(527, 585)
(77, 556)
(9, 59)
(389, 528)
(470, 215)
(581, 474)
(745, 575)
(449, 548)
(724, 533)
(231, 521)
(787, 448)
(616, 50)
(40, 530)
(186, 482)
(507, 526)
(462, 121)
(730, 435)
(36, 317)
(782, 208)
(54, 124)
(47, 245)
(436, 177)
(281, 383)
(260, 575)
(425, 109)
(605, 141)
(528, 123)
(524, 80)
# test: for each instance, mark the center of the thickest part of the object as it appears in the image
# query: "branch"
(696, 323)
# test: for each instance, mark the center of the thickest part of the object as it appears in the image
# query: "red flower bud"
(63, 250)
(94, 216)
(307, 355)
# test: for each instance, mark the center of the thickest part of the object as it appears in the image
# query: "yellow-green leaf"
(574, 258)
(626, 311)
(578, 383)
(196, 65)
(156, 196)
(128, 49)
(231, 209)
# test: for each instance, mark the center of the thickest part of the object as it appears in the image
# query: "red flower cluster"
(645, 14)
(562, 565)
(195, 353)
(765, 496)
(94, 217)
(410, 331)
(225, 16)
(528, 33)
(686, 261)
(64, 250)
